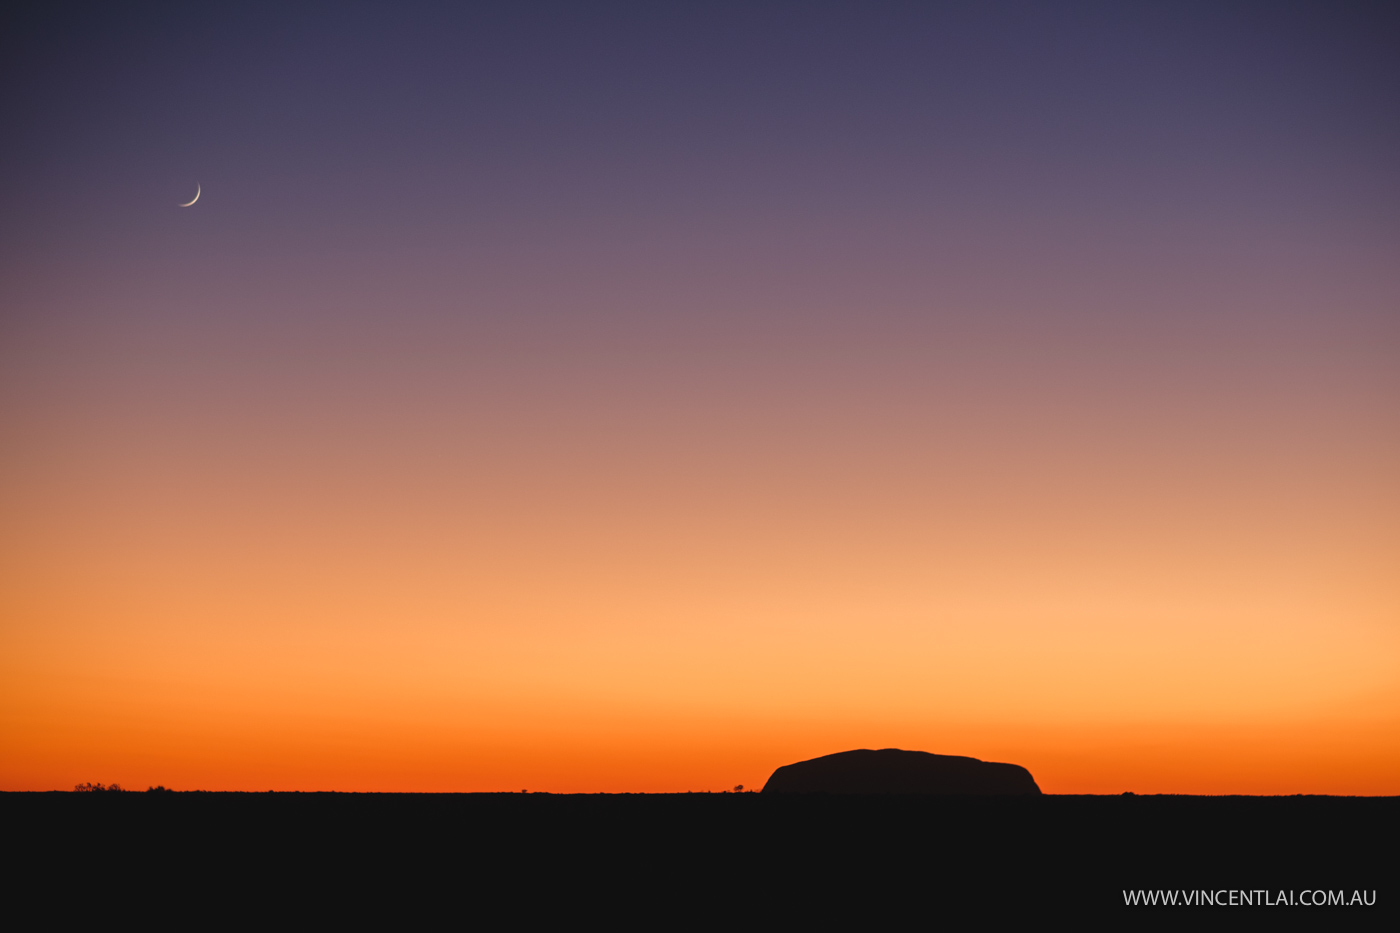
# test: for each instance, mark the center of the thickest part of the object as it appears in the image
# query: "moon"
(190, 202)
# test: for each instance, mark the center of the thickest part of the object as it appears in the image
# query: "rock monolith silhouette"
(896, 771)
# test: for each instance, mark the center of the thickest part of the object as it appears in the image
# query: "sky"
(640, 397)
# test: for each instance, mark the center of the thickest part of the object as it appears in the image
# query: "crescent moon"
(190, 202)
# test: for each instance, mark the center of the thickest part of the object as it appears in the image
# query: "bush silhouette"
(95, 788)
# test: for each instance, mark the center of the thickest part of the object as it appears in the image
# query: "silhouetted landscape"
(896, 771)
(808, 846)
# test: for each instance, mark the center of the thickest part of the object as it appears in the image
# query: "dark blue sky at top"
(675, 132)
(703, 101)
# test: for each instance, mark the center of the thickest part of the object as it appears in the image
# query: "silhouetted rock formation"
(895, 771)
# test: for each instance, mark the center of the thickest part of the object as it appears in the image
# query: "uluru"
(896, 771)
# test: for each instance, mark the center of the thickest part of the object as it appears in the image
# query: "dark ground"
(663, 860)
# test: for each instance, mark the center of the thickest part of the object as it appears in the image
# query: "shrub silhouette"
(95, 788)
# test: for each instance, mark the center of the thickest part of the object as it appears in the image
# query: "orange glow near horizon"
(645, 613)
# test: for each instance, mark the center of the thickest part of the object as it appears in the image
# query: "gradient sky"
(639, 397)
